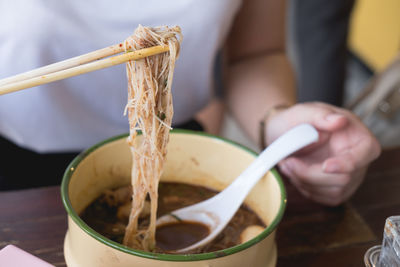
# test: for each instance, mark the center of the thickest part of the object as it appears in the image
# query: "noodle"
(149, 110)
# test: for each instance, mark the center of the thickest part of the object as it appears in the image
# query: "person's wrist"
(263, 138)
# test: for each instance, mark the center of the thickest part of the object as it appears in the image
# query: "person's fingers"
(327, 195)
(339, 164)
(332, 195)
(329, 190)
(357, 157)
(329, 121)
(312, 174)
(323, 117)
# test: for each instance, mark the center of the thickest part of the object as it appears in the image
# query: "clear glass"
(371, 257)
(388, 254)
(390, 251)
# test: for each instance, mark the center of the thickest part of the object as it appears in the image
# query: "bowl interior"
(193, 158)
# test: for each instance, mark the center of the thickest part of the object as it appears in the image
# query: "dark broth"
(177, 235)
(104, 218)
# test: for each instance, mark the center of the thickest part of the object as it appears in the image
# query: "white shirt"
(75, 113)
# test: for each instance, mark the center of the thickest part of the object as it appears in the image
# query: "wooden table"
(309, 234)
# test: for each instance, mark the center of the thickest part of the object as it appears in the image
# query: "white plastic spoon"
(217, 211)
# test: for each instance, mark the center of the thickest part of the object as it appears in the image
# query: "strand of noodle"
(163, 123)
(149, 97)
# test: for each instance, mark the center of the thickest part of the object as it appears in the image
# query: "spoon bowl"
(217, 211)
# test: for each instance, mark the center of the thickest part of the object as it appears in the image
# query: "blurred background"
(360, 41)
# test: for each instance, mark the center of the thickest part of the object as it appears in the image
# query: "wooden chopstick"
(75, 66)
(72, 62)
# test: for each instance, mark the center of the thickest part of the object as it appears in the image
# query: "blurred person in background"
(43, 128)
(318, 42)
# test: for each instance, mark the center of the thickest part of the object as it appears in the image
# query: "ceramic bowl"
(194, 158)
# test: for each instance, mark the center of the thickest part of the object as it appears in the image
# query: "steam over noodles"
(149, 110)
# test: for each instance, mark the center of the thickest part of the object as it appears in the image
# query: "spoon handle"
(217, 211)
(291, 141)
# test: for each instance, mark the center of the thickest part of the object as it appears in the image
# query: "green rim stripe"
(159, 256)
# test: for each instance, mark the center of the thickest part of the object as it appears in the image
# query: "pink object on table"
(11, 256)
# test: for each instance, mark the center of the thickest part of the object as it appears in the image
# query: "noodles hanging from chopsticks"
(149, 110)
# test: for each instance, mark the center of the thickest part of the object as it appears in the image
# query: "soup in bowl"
(195, 161)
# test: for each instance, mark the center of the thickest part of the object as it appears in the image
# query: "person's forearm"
(257, 84)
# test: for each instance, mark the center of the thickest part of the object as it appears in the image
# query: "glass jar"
(387, 254)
